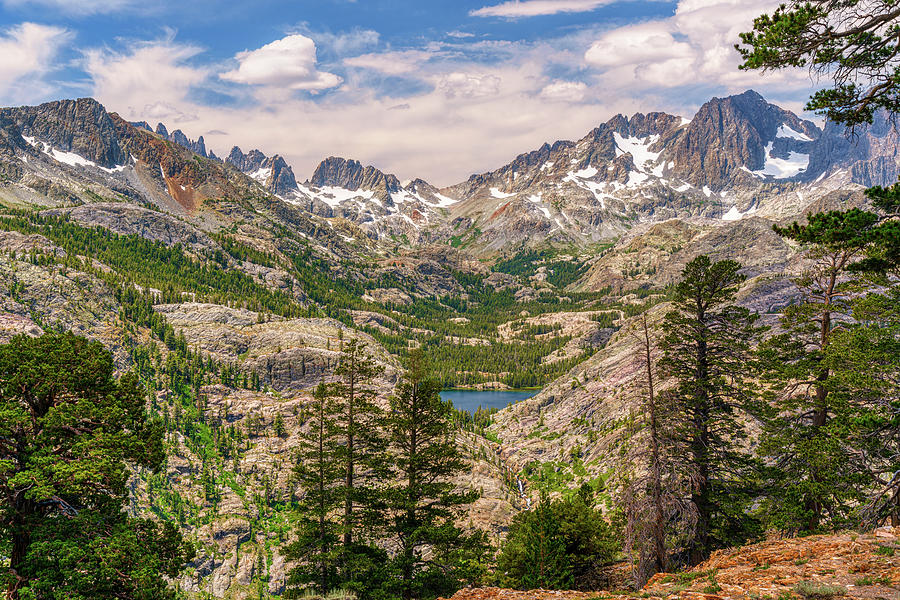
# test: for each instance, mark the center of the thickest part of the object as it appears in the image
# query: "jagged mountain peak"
(273, 172)
(740, 136)
(80, 126)
(351, 175)
(246, 163)
(180, 138)
(738, 155)
(641, 125)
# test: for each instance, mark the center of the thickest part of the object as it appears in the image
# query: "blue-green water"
(470, 400)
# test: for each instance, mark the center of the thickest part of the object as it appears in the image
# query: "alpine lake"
(471, 400)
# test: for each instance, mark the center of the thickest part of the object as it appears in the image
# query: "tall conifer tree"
(319, 475)
(361, 454)
(69, 431)
(652, 478)
(813, 474)
(422, 504)
(707, 350)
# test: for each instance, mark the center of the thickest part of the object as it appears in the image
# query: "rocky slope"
(571, 432)
(233, 503)
(274, 173)
(737, 156)
(848, 565)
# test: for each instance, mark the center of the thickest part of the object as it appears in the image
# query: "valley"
(231, 289)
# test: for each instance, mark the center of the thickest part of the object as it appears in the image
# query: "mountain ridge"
(737, 155)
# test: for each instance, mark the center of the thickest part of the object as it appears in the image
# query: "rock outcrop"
(82, 127)
(351, 175)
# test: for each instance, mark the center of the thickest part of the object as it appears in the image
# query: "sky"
(437, 89)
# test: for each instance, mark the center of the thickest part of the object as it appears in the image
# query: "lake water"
(470, 400)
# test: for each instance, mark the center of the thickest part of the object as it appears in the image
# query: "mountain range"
(736, 156)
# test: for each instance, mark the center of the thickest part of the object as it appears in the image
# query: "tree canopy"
(854, 42)
(69, 433)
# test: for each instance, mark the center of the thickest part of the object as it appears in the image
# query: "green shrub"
(814, 589)
(561, 544)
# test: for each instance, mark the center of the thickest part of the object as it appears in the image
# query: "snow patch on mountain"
(333, 196)
(733, 214)
(639, 149)
(262, 174)
(443, 201)
(68, 158)
(785, 131)
(782, 168)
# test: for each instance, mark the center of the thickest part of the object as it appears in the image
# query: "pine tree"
(68, 433)
(865, 373)
(363, 460)
(319, 474)
(278, 427)
(808, 426)
(852, 42)
(562, 544)
(423, 503)
(534, 555)
(707, 351)
(844, 443)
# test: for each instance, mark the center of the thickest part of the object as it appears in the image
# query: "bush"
(812, 589)
(561, 544)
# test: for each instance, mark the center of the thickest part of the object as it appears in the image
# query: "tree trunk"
(21, 540)
(700, 499)
(323, 542)
(351, 426)
(820, 411)
(412, 484)
(700, 446)
(659, 520)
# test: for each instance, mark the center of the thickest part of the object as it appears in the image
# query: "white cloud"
(565, 91)
(533, 8)
(163, 111)
(77, 7)
(150, 80)
(695, 45)
(288, 63)
(469, 85)
(28, 51)
(472, 117)
(391, 63)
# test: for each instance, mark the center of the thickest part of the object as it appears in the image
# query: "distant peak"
(350, 174)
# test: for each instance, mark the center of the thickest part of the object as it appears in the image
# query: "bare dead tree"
(654, 482)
